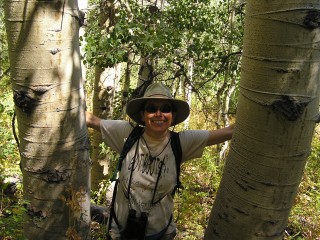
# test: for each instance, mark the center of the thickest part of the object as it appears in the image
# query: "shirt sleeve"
(193, 143)
(114, 133)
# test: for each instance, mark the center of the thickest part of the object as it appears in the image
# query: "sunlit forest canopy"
(174, 36)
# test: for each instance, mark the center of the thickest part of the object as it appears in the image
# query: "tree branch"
(223, 63)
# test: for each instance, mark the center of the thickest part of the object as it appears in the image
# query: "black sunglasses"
(166, 108)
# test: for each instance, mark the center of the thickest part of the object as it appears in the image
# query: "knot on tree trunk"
(312, 20)
(289, 108)
(24, 101)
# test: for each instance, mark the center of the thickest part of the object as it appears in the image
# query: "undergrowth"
(304, 220)
(200, 178)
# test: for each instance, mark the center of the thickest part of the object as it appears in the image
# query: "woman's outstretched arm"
(93, 121)
(220, 135)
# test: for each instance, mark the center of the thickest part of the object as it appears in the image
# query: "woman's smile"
(158, 117)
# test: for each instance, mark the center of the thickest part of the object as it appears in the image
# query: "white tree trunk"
(275, 121)
(103, 96)
(188, 90)
(49, 101)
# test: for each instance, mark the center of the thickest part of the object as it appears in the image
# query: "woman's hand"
(93, 121)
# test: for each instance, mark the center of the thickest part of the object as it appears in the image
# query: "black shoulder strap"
(177, 152)
(132, 138)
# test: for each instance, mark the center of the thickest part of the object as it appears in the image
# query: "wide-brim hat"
(157, 91)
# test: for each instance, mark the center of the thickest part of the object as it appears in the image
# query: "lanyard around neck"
(158, 177)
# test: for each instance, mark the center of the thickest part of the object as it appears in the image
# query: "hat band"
(159, 95)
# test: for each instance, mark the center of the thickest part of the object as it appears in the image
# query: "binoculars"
(136, 227)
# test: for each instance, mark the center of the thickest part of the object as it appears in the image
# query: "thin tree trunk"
(146, 76)
(49, 102)
(126, 85)
(275, 121)
(226, 120)
(103, 95)
(102, 106)
(188, 90)
(146, 71)
(228, 86)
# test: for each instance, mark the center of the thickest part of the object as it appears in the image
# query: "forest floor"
(193, 204)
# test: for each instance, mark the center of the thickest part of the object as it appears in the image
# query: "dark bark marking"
(312, 20)
(52, 176)
(24, 101)
(268, 184)
(242, 186)
(318, 118)
(81, 18)
(288, 108)
(57, 176)
(241, 211)
(55, 51)
(215, 232)
(40, 90)
(287, 70)
(27, 101)
(271, 222)
(270, 235)
(224, 216)
(268, 225)
(33, 213)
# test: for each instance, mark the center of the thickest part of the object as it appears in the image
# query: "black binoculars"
(136, 227)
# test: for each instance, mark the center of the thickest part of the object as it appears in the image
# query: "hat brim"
(134, 107)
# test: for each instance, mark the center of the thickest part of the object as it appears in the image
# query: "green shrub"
(304, 220)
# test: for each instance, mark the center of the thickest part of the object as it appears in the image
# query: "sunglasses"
(166, 108)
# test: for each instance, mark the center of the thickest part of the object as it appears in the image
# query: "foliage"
(11, 203)
(8, 148)
(180, 33)
(99, 197)
(304, 220)
(9, 154)
(4, 62)
(12, 211)
(200, 178)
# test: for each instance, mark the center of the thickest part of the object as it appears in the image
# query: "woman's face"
(158, 117)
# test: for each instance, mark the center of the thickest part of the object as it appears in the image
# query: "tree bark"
(126, 85)
(276, 116)
(103, 96)
(49, 102)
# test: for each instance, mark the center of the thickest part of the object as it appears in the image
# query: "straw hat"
(154, 92)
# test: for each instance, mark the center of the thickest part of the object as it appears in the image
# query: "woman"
(148, 173)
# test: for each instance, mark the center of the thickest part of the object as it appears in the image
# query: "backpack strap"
(177, 152)
(132, 138)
